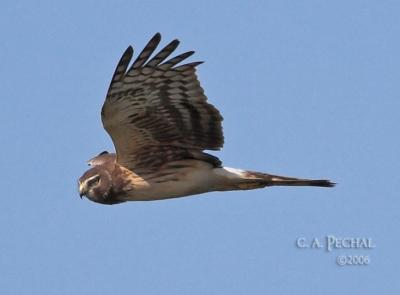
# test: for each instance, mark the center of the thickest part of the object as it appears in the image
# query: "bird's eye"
(94, 180)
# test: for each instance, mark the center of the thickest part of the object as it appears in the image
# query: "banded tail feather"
(237, 179)
(277, 180)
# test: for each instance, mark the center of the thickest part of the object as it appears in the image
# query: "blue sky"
(307, 88)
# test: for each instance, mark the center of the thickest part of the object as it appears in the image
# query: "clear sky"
(307, 89)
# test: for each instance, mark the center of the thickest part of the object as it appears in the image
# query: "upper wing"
(156, 111)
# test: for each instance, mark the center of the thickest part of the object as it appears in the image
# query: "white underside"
(200, 178)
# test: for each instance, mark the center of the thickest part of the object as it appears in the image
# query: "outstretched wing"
(156, 111)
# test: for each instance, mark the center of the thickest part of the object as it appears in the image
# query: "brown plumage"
(160, 123)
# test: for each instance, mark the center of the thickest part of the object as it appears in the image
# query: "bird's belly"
(180, 184)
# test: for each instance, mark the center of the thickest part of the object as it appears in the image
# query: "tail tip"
(323, 183)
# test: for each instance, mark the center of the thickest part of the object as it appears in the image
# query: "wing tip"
(128, 53)
(126, 56)
(156, 37)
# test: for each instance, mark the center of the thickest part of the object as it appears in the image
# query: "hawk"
(160, 122)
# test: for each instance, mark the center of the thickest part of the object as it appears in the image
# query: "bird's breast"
(172, 182)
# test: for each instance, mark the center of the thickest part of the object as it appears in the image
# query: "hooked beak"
(82, 190)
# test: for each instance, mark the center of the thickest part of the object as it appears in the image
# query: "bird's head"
(96, 184)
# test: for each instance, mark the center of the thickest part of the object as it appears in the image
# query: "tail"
(237, 179)
(272, 180)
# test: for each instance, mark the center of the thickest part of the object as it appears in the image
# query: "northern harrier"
(160, 123)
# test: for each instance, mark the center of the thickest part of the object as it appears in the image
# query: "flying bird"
(160, 122)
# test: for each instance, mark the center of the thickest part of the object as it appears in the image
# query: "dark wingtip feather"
(187, 54)
(163, 54)
(175, 41)
(121, 66)
(196, 63)
(126, 56)
(176, 60)
(129, 50)
(146, 52)
(156, 38)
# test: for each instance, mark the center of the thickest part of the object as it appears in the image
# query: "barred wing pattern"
(156, 111)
